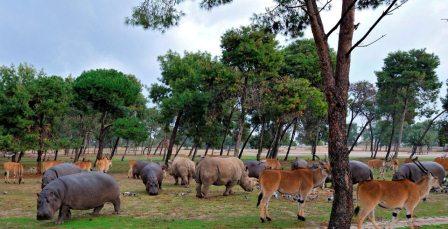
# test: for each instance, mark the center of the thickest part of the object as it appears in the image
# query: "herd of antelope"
(402, 192)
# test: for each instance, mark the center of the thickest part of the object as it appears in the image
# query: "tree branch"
(386, 12)
(379, 38)
(325, 5)
(340, 19)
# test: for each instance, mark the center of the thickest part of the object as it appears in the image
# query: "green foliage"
(107, 90)
(130, 128)
(413, 133)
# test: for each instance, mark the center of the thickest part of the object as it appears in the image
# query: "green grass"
(177, 207)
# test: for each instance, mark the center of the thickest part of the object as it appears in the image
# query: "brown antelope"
(443, 161)
(377, 164)
(392, 195)
(48, 164)
(299, 183)
(131, 164)
(272, 163)
(392, 164)
(103, 165)
(15, 168)
(84, 165)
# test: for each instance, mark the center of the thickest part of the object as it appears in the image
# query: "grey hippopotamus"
(299, 164)
(412, 172)
(137, 169)
(254, 168)
(152, 176)
(80, 191)
(360, 172)
(59, 171)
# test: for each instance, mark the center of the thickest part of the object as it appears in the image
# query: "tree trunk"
(20, 156)
(400, 134)
(391, 137)
(314, 147)
(125, 150)
(371, 138)
(291, 140)
(260, 140)
(115, 148)
(101, 137)
(56, 155)
(336, 85)
(158, 145)
(207, 146)
(150, 145)
(274, 147)
(228, 150)
(241, 119)
(359, 135)
(191, 150)
(180, 147)
(229, 121)
(173, 137)
(420, 139)
(195, 151)
(245, 142)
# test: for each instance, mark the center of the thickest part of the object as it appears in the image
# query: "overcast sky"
(67, 37)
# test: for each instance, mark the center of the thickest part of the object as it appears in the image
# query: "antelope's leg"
(394, 217)
(372, 219)
(264, 203)
(365, 211)
(409, 213)
(7, 176)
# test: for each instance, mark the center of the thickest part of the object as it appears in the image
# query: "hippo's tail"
(260, 196)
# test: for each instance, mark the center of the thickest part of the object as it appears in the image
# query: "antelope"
(377, 164)
(299, 183)
(84, 165)
(272, 163)
(131, 167)
(443, 161)
(104, 164)
(15, 168)
(48, 164)
(393, 195)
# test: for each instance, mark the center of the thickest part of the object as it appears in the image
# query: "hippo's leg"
(63, 212)
(96, 211)
(160, 184)
(117, 204)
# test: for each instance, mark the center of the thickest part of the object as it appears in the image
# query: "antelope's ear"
(37, 194)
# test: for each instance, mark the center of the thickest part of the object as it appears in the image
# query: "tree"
(253, 52)
(410, 79)
(109, 92)
(130, 129)
(292, 17)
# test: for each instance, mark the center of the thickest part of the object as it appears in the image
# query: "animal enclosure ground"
(177, 207)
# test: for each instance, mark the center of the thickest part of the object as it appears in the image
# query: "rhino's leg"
(204, 190)
(117, 204)
(198, 190)
(184, 180)
(176, 180)
(96, 211)
(228, 189)
(63, 212)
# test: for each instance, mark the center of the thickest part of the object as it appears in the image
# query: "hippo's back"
(65, 169)
(360, 172)
(151, 170)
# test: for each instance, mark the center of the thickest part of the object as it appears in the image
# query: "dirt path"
(402, 223)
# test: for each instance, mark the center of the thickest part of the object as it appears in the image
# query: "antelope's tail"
(260, 196)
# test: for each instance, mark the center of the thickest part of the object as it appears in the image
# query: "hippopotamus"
(299, 164)
(137, 169)
(79, 191)
(152, 176)
(255, 168)
(58, 171)
(221, 171)
(360, 172)
(412, 172)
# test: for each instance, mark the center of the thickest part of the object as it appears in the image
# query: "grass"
(177, 207)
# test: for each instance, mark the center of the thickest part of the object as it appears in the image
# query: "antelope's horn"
(423, 166)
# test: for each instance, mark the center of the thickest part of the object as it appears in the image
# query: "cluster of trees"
(40, 112)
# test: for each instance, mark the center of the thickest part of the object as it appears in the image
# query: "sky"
(65, 37)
